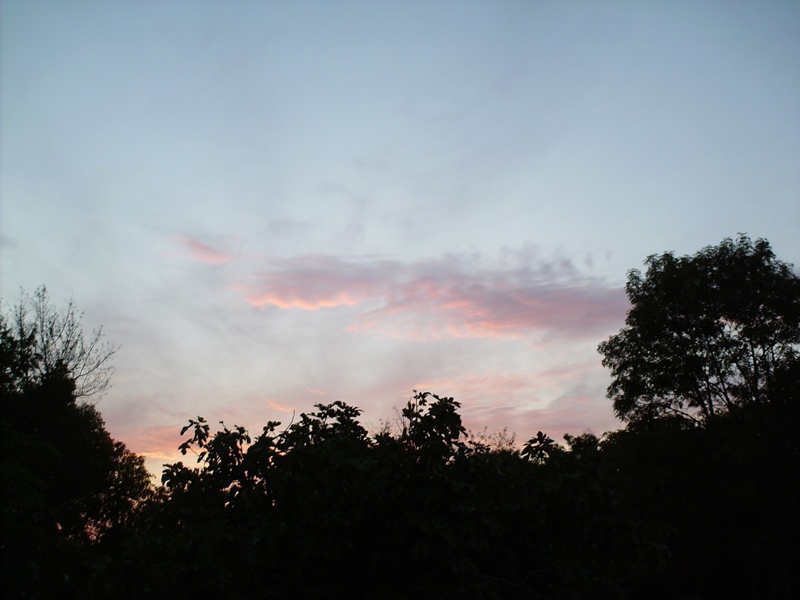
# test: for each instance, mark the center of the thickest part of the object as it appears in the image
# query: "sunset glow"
(269, 205)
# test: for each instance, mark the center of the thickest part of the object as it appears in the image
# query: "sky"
(268, 204)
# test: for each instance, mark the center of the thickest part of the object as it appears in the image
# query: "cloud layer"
(512, 337)
(455, 296)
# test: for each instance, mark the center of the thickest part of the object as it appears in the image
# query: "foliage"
(540, 448)
(323, 510)
(66, 483)
(706, 333)
(721, 497)
(436, 431)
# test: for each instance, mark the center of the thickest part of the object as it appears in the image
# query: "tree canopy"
(66, 482)
(706, 333)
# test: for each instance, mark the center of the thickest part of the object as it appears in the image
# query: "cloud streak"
(202, 252)
(312, 283)
(452, 297)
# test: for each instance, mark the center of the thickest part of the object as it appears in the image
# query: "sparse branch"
(57, 342)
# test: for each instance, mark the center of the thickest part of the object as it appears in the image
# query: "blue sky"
(273, 204)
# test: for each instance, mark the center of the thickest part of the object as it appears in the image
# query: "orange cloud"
(155, 441)
(280, 407)
(290, 301)
(158, 446)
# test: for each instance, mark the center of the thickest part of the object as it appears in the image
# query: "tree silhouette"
(706, 333)
(39, 341)
(322, 509)
(66, 482)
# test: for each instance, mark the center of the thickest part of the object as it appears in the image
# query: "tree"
(37, 341)
(66, 482)
(706, 333)
(540, 448)
(436, 431)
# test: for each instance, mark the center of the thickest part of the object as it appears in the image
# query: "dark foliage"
(65, 482)
(706, 333)
(663, 509)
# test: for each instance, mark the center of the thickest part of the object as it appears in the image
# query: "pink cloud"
(469, 307)
(450, 297)
(311, 283)
(204, 253)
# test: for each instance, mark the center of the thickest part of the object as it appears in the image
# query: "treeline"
(694, 498)
(322, 510)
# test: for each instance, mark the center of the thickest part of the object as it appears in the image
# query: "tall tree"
(706, 333)
(65, 481)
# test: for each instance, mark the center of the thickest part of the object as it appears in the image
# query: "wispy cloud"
(312, 282)
(203, 252)
(564, 399)
(579, 407)
(454, 296)
(471, 388)
(280, 407)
